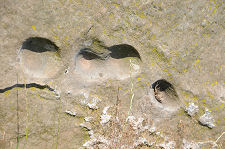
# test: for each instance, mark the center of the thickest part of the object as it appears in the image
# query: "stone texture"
(180, 41)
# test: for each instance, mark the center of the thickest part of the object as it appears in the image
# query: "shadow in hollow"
(123, 51)
(39, 45)
(116, 51)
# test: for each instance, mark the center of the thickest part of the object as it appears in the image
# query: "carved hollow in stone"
(118, 62)
(165, 94)
(40, 58)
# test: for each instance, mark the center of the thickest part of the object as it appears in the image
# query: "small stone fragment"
(88, 119)
(93, 105)
(207, 119)
(86, 126)
(192, 109)
(204, 23)
(168, 145)
(105, 117)
(152, 130)
(86, 95)
(95, 139)
(71, 113)
(137, 123)
(141, 142)
(105, 110)
(188, 145)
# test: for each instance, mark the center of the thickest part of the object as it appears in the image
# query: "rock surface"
(179, 41)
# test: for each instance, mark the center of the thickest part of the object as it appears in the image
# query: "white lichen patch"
(152, 130)
(72, 113)
(168, 145)
(191, 109)
(86, 126)
(137, 123)
(105, 118)
(96, 139)
(86, 95)
(91, 132)
(84, 101)
(93, 105)
(57, 92)
(188, 145)
(105, 110)
(199, 145)
(88, 119)
(141, 142)
(207, 119)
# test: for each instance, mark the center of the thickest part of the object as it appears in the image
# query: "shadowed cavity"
(39, 45)
(90, 54)
(117, 52)
(162, 85)
(123, 51)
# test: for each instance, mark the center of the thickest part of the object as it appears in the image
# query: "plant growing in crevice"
(121, 131)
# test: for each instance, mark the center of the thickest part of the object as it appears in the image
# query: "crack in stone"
(27, 86)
